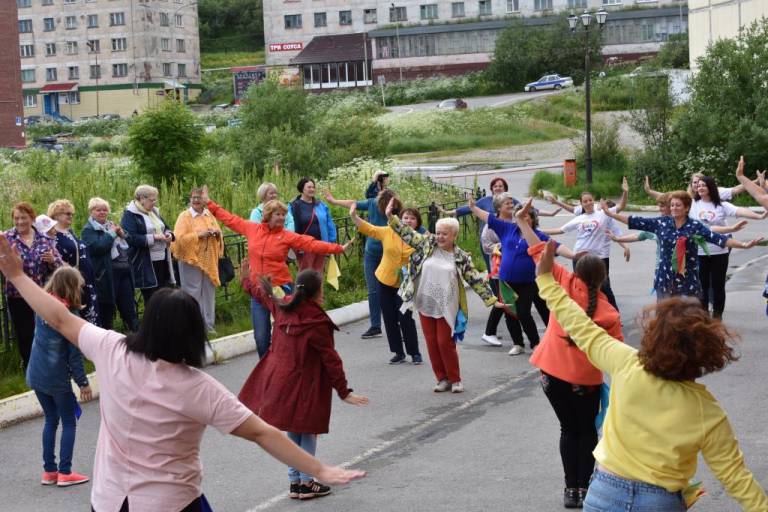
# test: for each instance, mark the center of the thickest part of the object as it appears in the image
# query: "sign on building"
(286, 47)
(244, 77)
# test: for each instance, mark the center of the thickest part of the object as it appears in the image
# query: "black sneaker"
(582, 497)
(294, 492)
(417, 359)
(571, 497)
(313, 490)
(373, 332)
(397, 359)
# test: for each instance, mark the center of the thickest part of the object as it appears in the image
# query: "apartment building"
(90, 57)
(11, 110)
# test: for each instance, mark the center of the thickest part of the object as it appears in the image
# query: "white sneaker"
(457, 387)
(517, 350)
(491, 339)
(442, 386)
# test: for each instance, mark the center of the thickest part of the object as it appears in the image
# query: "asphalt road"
(501, 100)
(492, 448)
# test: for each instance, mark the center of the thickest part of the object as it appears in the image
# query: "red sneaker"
(49, 478)
(71, 479)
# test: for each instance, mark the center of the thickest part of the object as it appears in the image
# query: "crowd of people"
(155, 402)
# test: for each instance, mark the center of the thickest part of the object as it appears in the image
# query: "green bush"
(437, 88)
(674, 53)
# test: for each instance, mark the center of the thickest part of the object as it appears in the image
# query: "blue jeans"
(308, 443)
(611, 493)
(262, 325)
(370, 264)
(55, 407)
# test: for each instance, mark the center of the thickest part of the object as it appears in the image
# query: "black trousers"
(23, 319)
(125, 302)
(400, 327)
(195, 506)
(712, 273)
(576, 407)
(528, 296)
(494, 317)
(163, 277)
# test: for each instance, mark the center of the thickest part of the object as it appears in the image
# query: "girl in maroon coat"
(290, 388)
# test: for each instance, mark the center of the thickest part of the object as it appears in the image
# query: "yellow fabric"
(655, 428)
(203, 253)
(395, 255)
(156, 222)
(333, 273)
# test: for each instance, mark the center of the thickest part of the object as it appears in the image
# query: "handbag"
(226, 269)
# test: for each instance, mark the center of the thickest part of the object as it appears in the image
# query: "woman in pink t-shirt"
(155, 402)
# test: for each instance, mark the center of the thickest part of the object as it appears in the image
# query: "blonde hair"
(96, 202)
(59, 206)
(270, 208)
(450, 223)
(67, 284)
(145, 191)
(265, 187)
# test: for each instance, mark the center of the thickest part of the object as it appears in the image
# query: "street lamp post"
(92, 47)
(586, 20)
(397, 38)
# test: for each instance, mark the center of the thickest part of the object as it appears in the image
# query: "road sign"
(18, 121)
(382, 79)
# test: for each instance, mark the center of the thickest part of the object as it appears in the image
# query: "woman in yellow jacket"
(198, 247)
(659, 418)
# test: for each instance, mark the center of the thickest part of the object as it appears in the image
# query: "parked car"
(549, 82)
(48, 143)
(32, 120)
(454, 104)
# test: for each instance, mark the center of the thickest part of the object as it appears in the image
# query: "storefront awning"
(65, 87)
(338, 48)
(173, 84)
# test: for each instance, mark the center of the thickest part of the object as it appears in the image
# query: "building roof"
(504, 23)
(63, 87)
(336, 48)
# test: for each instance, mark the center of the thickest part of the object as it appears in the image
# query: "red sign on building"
(285, 47)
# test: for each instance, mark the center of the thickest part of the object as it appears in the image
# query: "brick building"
(11, 110)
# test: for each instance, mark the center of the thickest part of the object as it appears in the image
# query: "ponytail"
(591, 271)
(308, 284)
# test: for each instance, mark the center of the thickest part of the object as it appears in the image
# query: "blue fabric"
(57, 407)
(53, 361)
(460, 326)
(75, 254)
(99, 247)
(605, 392)
(138, 250)
(256, 215)
(262, 324)
(308, 443)
(324, 220)
(516, 265)
(376, 218)
(373, 190)
(370, 264)
(611, 493)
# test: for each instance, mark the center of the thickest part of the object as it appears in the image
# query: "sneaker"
(397, 359)
(571, 497)
(50, 478)
(491, 339)
(71, 479)
(442, 386)
(373, 332)
(313, 489)
(517, 350)
(417, 359)
(293, 493)
(457, 387)
(582, 497)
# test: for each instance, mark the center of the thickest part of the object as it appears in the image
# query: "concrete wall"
(11, 135)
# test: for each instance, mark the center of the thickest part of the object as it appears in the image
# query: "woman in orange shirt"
(570, 381)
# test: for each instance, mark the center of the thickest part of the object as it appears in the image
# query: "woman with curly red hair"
(659, 418)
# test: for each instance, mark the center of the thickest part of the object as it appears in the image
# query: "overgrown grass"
(606, 183)
(210, 60)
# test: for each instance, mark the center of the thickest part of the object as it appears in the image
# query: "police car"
(549, 82)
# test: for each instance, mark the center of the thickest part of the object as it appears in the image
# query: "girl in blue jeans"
(52, 363)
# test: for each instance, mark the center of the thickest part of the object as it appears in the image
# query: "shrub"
(674, 53)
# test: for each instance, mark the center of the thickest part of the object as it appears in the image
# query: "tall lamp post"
(92, 48)
(586, 20)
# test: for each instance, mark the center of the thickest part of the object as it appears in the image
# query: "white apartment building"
(89, 57)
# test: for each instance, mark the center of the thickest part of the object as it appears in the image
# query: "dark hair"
(381, 177)
(382, 200)
(714, 194)
(172, 329)
(585, 193)
(682, 342)
(494, 180)
(415, 213)
(532, 213)
(23, 207)
(302, 182)
(308, 283)
(591, 271)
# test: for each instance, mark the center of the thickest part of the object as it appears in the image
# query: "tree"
(165, 141)
(270, 105)
(674, 53)
(227, 25)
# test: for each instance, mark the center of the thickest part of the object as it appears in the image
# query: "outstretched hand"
(547, 260)
(327, 194)
(470, 200)
(752, 243)
(739, 225)
(337, 475)
(740, 167)
(356, 399)
(352, 209)
(647, 184)
(349, 244)
(604, 206)
(523, 212)
(625, 185)
(390, 208)
(10, 262)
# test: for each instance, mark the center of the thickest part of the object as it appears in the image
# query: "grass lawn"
(210, 60)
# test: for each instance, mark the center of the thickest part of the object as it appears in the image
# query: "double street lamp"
(586, 21)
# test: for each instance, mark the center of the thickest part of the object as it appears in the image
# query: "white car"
(549, 82)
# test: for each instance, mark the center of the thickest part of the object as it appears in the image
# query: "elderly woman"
(379, 182)
(39, 259)
(434, 286)
(311, 217)
(148, 240)
(266, 193)
(75, 254)
(198, 247)
(268, 246)
(156, 403)
(107, 248)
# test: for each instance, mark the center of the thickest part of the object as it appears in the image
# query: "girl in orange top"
(570, 381)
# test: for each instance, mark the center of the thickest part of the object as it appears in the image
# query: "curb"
(24, 406)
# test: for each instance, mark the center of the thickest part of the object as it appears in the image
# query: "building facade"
(11, 110)
(90, 57)
(720, 19)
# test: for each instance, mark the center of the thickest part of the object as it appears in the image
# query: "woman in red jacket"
(291, 388)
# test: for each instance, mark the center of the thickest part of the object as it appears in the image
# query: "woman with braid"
(570, 381)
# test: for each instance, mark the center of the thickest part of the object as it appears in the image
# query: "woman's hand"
(547, 260)
(86, 394)
(10, 261)
(647, 184)
(118, 229)
(48, 256)
(626, 254)
(625, 185)
(204, 195)
(203, 233)
(348, 245)
(739, 226)
(327, 195)
(523, 212)
(390, 208)
(470, 200)
(356, 399)
(751, 243)
(336, 475)
(740, 167)
(352, 209)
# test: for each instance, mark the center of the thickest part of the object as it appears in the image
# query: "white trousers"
(196, 283)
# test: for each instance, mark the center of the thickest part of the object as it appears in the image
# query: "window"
(70, 22)
(49, 24)
(50, 49)
(23, 3)
(428, 11)
(50, 74)
(165, 44)
(25, 26)
(70, 48)
(292, 21)
(457, 10)
(178, 20)
(47, 2)
(611, 2)
(119, 44)
(398, 14)
(94, 46)
(164, 22)
(542, 5)
(74, 72)
(345, 17)
(513, 5)
(27, 50)
(180, 46)
(69, 1)
(167, 69)
(116, 19)
(28, 75)
(484, 7)
(181, 70)
(73, 97)
(30, 100)
(119, 70)
(93, 20)
(369, 16)
(577, 4)
(95, 72)
(321, 20)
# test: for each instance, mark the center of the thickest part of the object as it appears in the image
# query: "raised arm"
(565, 206)
(614, 215)
(232, 221)
(544, 213)
(476, 211)
(746, 213)
(647, 187)
(346, 203)
(757, 192)
(624, 195)
(530, 236)
(409, 236)
(366, 228)
(733, 228)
